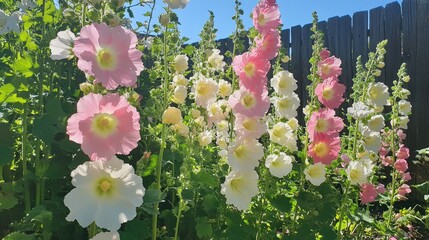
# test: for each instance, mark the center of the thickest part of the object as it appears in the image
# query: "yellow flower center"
(328, 93)
(104, 124)
(284, 103)
(106, 59)
(261, 19)
(373, 93)
(279, 131)
(314, 172)
(322, 125)
(202, 89)
(104, 186)
(275, 163)
(282, 83)
(248, 101)
(249, 124)
(249, 69)
(326, 69)
(321, 149)
(354, 175)
(240, 151)
(235, 185)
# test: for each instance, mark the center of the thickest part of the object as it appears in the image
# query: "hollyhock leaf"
(146, 167)
(135, 230)
(210, 202)
(328, 233)
(6, 155)
(203, 228)
(365, 217)
(282, 203)
(7, 200)
(19, 236)
(205, 178)
(7, 94)
(47, 126)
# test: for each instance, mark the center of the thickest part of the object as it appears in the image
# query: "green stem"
(296, 210)
(258, 235)
(24, 159)
(150, 19)
(83, 20)
(1, 174)
(340, 220)
(163, 139)
(179, 214)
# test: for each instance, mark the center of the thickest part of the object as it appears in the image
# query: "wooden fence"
(405, 26)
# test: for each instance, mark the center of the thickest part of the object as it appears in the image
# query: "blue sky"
(294, 12)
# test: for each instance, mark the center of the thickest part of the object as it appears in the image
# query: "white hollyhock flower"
(106, 236)
(179, 95)
(180, 63)
(403, 122)
(378, 94)
(371, 140)
(174, 4)
(356, 173)
(293, 123)
(106, 192)
(359, 110)
(204, 89)
(205, 138)
(404, 107)
(279, 165)
(239, 188)
(181, 129)
(215, 112)
(180, 80)
(286, 106)
(284, 83)
(61, 47)
(27, 4)
(215, 60)
(315, 174)
(368, 164)
(225, 88)
(244, 154)
(251, 127)
(9, 23)
(376, 123)
(282, 134)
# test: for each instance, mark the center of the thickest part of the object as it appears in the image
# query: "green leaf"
(146, 167)
(136, 230)
(282, 203)
(210, 202)
(8, 95)
(53, 122)
(19, 236)
(23, 66)
(205, 178)
(7, 200)
(203, 228)
(6, 155)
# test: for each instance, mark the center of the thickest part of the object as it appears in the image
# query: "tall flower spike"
(109, 55)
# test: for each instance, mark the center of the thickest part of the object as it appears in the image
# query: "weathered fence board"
(360, 37)
(392, 28)
(345, 51)
(376, 32)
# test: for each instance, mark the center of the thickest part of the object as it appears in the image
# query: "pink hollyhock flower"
(268, 44)
(346, 159)
(109, 55)
(266, 17)
(324, 54)
(251, 104)
(252, 70)
(401, 165)
(270, 2)
(401, 134)
(404, 189)
(406, 176)
(324, 121)
(324, 149)
(383, 151)
(368, 193)
(386, 161)
(381, 188)
(330, 93)
(104, 126)
(403, 152)
(329, 67)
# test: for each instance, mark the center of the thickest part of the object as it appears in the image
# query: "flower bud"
(86, 87)
(380, 65)
(195, 113)
(164, 19)
(376, 73)
(406, 79)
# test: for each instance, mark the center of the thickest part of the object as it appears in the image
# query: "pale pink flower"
(368, 193)
(383, 151)
(324, 149)
(252, 70)
(330, 93)
(401, 134)
(109, 55)
(324, 121)
(324, 54)
(268, 44)
(386, 161)
(403, 152)
(266, 16)
(104, 126)
(329, 67)
(249, 103)
(270, 2)
(406, 176)
(249, 127)
(401, 165)
(346, 159)
(381, 188)
(404, 189)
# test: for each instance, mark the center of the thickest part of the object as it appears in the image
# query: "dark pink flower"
(324, 148)
(381, 188)
(386, 161)
(324, 54)
(368, 193)
(401, 165)
(383, 151)
(403, 152)
(406, 176)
